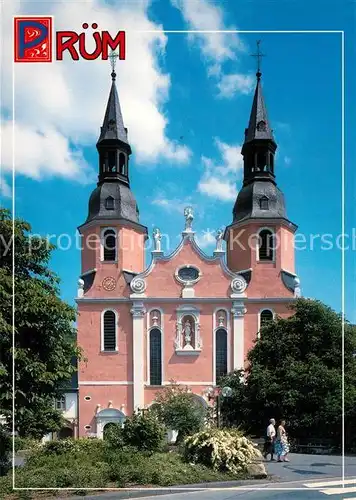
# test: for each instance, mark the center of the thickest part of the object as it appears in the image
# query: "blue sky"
(187, 129)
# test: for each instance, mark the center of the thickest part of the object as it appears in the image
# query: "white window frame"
(103, 229)
(161, 329)
(258, 245)
(228, 330)
(102, 331)
(62, 403)
(259, 319)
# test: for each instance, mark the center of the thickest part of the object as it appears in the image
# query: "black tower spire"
(113, 199)
(259, 196)
(113, 146)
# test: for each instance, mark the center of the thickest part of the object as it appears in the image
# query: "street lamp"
(216, 394)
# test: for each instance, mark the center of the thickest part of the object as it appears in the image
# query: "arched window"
(122, 161)
(264, 203)
(109, 203)
(155, 357)
(220, 353)
(266, 245)
(265, 317)
(109, 337)
(261, 162)
(109, 244)
(112, 160)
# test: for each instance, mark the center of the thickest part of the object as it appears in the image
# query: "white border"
(340, 32)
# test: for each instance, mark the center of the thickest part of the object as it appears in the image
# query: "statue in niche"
(189, 216)
(157, 236)
(187, 333)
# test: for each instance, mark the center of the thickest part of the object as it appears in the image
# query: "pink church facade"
(186, 317)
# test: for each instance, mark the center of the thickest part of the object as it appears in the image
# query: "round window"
(188, 274)
(87, 398)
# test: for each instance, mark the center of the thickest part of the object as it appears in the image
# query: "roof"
(258, 127)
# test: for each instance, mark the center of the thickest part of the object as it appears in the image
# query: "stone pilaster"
(138, 317)
(238, 312)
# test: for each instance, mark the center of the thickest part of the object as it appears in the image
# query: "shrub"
(70, 445)
(178, 409)
(5, 448)
(221, 449)
(26, 444)
(144, 432)
(113, 435)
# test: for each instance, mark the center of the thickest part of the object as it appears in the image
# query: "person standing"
(270, 438)
(282, 445)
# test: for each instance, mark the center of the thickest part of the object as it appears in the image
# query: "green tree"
(179, 410)
(44, 333)
(295, 372)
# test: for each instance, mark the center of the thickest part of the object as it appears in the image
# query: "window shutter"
(109, 331)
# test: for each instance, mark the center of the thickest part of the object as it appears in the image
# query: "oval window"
(188, 273)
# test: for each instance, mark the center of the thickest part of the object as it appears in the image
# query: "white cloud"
(287, 160)
(216, 188)
(62, 103)
(216, 48)
(229, 85)
(205, 238)
(172, 205)
(219, 179)
(5, 189)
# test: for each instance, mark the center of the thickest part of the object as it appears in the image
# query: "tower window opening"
(122, 162)
(109, 244)
(110, 203)
(112, 160)
(266, 245)
(109, 331)
(265, 317)
(261, 162)
(264, 203)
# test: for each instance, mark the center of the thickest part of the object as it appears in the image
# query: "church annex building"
(186, 316)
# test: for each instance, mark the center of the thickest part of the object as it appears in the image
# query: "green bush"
(70, 445)
(5, 449)
(26, 444)
(144, 432)
(179, 409)
(113, 435)
(221, 449)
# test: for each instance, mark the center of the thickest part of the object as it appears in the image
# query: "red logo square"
(33, 39)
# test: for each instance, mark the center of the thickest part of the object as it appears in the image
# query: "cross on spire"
(258, 56)
(113, 56)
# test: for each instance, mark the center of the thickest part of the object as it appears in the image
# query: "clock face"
(188, 274)
(109, 283)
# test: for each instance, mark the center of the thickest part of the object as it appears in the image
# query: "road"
(305, 477)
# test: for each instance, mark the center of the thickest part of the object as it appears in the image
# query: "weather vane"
(258, 56)
(113, 56)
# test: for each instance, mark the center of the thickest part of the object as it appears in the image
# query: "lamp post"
(216, 394)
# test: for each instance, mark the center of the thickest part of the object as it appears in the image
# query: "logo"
(33, 41)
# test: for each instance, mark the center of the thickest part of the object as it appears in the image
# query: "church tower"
(260, 240)
(112, 255)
